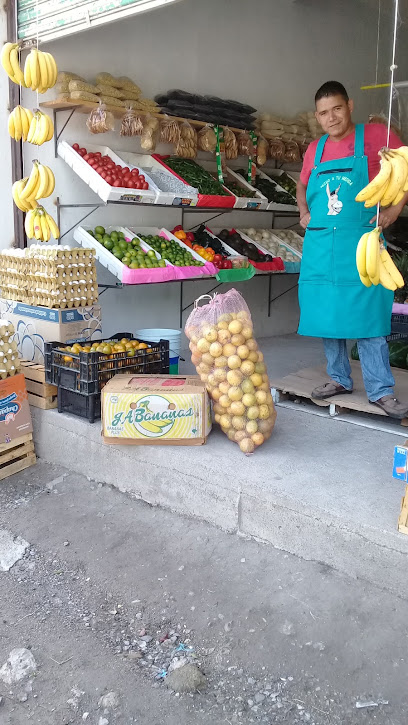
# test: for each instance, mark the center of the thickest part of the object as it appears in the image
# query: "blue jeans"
(375, 365)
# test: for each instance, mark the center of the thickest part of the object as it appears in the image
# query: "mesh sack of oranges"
(228, 360)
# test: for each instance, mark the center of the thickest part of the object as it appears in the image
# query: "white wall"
(6, 203)
(270, 53)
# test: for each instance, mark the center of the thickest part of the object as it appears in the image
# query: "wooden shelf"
(118, 112)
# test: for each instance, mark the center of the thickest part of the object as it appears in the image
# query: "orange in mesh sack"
(227, 359)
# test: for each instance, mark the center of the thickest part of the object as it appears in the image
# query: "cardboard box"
(15, 417)
(155, 410)
(400, 467)
(36, 325)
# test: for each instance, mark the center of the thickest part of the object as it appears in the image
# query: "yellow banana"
(27, 72)
(392, 270)
(32, 182)
(403, 151)
(50, 129)
(5, 60)
(33, 128)
(17, 123)
(398, 198)
(43, 182)
(378, 181)
(53, 227)
(29, 223)
(45, 229)
(51, 182)
(44, 75)
(26, 117)
(37, 225)
(376, 197)
(35, 69)
(17, 72)
(366, 281)
(16, 190)
(42, 130)
(398, 177)
(54, 74)
(361, 254)
(373, 256)
(385, 278)
(152, 427)
(11, 125)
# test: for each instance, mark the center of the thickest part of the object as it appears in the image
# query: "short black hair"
(331, 88)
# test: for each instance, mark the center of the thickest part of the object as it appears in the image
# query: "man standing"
(334, 304)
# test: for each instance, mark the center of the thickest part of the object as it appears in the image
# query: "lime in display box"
(155, 410)
(35, 325)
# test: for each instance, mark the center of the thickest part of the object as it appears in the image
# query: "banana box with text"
(15, 416)
(155, 410)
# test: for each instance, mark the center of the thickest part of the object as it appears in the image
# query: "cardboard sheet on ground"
(303, 382)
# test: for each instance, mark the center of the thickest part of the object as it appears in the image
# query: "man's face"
(334, 115)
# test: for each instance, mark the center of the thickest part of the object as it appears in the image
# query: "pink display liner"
(398, 309)
(166, 274)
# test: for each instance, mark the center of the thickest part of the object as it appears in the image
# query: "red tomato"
(138, 184)
(104, 174)
(75, 146)
(117, 182)
(97, 153)
(106, 158)
(87, 156)
(217, 258)
(142, 178)
(129, 184)
(145, 185)
(108, 179)
(99, 169)
(127, 176)
(82, 152)
(227, 264)
(135, 172)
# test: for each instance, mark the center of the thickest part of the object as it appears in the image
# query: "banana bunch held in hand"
(36, 128)
(39, 185)
(39, 225)
(374, 264)
(40, 69)
(391, 183)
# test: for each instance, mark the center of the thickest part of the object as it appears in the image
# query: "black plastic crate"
(399, 325)
(84, 406)
(88, 373)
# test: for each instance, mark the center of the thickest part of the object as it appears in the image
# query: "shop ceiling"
(58, 18)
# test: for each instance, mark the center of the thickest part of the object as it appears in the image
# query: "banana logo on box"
(151, 416)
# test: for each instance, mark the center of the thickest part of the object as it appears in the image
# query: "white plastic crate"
(259, 201)
(105, 191)
(147, 163)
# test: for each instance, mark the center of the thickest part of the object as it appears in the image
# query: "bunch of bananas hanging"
(39, 185)
(40, 69)
(19, 123)
(391, 182)
(39, 225)
(41, 129)
(374, 264)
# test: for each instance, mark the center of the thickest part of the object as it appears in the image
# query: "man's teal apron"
(333, 301)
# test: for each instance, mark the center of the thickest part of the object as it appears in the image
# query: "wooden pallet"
(301, 384)
(16, 456)
(40, 394)
(403, 517)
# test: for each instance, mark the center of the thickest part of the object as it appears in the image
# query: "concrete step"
(320, 488)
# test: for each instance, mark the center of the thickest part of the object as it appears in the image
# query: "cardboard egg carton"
(9, 360)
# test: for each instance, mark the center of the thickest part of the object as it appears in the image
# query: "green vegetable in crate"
(288, 184)
(398, 350)
(267, 187)
(196, 176)
(172, 251)
(238, 190)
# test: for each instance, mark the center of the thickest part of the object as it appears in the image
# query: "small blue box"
(399, 470)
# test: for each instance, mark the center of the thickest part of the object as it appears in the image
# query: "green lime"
(162, 263)
(90, 232)
(98, 238)
(121, 235)
(123, 245)
(135, 242)
(134, 265)
(100, 230)
(114, 236)
(108, 244)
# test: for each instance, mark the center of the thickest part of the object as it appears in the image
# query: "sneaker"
(328, 390)
(392, 407)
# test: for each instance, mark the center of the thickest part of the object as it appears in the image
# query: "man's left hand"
(388, 216)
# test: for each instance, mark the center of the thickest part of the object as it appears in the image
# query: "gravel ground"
(123, 606)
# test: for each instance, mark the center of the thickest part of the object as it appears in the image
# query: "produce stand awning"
(57, 18)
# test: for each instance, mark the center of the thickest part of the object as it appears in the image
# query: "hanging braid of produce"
(388, 188)
(40, 74)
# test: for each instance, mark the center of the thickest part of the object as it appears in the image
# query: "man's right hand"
(304, 220)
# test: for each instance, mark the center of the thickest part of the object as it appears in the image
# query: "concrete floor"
(320, 488)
